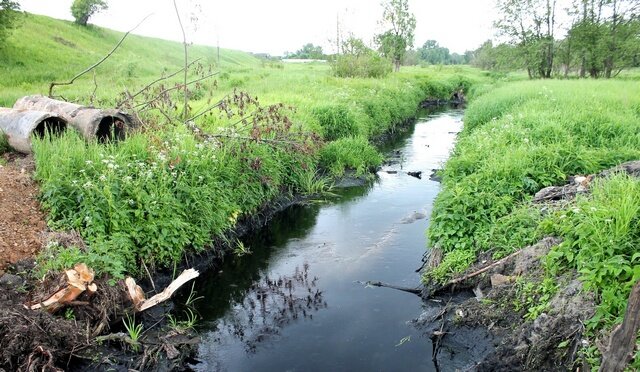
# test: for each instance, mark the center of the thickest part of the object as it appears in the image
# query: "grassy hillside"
(44, 49)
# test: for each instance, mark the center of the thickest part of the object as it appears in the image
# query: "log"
(20, 125)
(623, 337)
(103, 124)
(137, 295)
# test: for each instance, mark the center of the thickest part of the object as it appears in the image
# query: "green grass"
(522, 137)
(43, 50)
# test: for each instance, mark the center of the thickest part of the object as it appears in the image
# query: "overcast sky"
(278, 26)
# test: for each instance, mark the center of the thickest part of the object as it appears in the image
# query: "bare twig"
(147, 103)
(132, 96)
(484, 269)
(405, 289)
(95, 89)
(184, 43)
(53, 84)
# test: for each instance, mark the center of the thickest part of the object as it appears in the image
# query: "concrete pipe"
(20, 125)
(104, 125)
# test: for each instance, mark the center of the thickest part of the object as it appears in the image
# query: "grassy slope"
(45, 49)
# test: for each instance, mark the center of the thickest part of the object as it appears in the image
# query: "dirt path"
(21, 221)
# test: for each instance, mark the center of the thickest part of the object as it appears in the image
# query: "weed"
(134, 330)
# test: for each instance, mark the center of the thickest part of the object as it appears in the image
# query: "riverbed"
(300, 302)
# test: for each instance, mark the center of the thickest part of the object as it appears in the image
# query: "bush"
(349, 153)
(336, 121)
(364, 66)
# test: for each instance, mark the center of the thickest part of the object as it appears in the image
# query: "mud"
(485, 332)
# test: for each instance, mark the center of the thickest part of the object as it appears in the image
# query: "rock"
(417, 174)
(413, 218)
(499, 279)
(529, 259)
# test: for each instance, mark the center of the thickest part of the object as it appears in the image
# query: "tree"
(401, 25)
(308, 51)
(82, 10)
(8, 17)
(604, 36)
(530, 25)
(434, 54)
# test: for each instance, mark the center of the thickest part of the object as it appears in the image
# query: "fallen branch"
(53, 84)
(404, 289)
(623, 337)
(484, 269)
(137, 295)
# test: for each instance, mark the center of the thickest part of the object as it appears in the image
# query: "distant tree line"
(602, 39)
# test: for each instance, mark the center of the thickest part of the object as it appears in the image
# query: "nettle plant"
(171, 188)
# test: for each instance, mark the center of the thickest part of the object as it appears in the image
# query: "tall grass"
(152, 198)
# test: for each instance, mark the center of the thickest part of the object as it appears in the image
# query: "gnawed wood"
(137, 295)
(77, 281)
(623, 337)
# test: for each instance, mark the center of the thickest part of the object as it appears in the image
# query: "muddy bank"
(492, 328)
(487, 331)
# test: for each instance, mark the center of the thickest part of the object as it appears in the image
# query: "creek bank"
(549, 337)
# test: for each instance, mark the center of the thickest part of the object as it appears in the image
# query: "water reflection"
(269, 305)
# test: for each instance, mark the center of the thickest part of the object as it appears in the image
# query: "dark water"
(297, 303)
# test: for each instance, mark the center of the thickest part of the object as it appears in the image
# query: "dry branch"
(146, 87)
(53, 84)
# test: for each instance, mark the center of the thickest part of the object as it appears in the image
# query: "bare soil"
(22, 223)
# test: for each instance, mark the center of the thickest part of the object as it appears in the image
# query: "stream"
(299, 301)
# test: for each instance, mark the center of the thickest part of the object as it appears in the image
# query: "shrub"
(336, 121)
(349, 153)
(367, 65)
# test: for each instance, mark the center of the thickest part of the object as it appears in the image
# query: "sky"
(279, 26)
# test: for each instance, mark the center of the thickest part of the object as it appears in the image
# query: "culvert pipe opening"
(110, 128)
(50, 127)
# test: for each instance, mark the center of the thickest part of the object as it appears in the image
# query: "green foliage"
(350, 152)
(308, 51)
(133, 201)
(369, 65)
(453, 263)
(8, 18)
(512, 232)
(336, 121)
(134, 330)
(601, 236)
(82, 10)
(534, 297)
